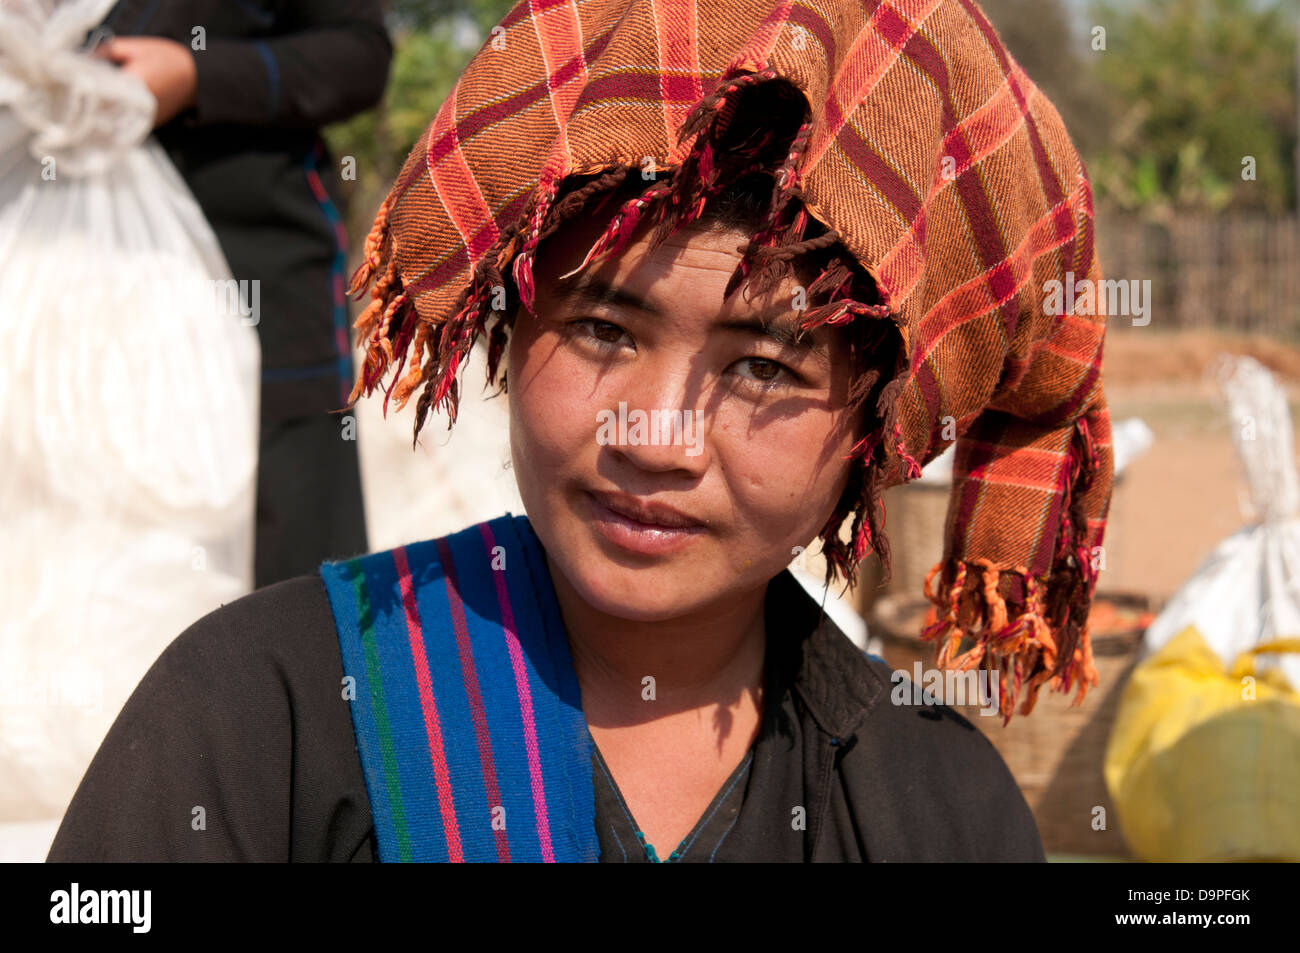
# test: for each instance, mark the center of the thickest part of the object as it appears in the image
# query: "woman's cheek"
(763, 472)
(780, 477)
(551, 401)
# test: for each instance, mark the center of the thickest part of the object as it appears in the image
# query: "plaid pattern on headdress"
(945, 172)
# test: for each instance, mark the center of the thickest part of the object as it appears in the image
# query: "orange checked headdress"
(924, 152)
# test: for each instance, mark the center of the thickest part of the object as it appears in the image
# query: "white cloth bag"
(128, 403)
(1248, 590)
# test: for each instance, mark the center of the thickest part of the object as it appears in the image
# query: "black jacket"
(242, 717)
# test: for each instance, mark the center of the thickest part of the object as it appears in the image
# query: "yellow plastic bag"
(1203, 764)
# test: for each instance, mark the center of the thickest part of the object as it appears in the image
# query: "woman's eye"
(604, 333)
(765, 372)
(757, 373)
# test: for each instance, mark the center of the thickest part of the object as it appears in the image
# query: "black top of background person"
(268, 77)
(291, 64)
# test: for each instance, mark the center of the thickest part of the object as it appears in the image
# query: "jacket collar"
(809, 655)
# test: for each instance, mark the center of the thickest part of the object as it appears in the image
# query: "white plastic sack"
(128, 404)
(1248, 590)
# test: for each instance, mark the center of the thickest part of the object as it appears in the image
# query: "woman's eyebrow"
(782, 332)
(596, 290)
(593, 289)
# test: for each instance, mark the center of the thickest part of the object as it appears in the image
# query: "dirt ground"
(1184, 495)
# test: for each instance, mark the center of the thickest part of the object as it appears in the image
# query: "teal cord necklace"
(674, 857)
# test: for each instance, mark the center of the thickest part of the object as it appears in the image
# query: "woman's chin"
(654, 593)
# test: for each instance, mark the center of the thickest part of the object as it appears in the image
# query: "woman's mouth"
(650, 533)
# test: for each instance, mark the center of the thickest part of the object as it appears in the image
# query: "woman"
(706, 368)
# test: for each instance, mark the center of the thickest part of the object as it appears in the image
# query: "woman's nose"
(654, 424)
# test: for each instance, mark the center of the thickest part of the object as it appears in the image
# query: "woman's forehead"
(688, 272)
(697, 260)
(706, 251)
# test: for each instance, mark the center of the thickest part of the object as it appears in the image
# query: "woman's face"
(639, 399)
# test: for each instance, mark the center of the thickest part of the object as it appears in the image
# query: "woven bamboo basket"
(1056, 753)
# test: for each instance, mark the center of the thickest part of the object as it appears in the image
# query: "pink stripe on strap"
(525, 704)
(473, 695)
(441, 777)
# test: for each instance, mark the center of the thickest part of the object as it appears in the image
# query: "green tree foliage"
(1198, 87)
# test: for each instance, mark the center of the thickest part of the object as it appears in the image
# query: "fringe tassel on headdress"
(1028, 643)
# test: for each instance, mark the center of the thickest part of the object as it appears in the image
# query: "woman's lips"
(645, 538)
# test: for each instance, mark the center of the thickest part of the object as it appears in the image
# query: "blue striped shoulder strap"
(464, 699)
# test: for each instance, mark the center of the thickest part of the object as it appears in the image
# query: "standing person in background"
(243, 89)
